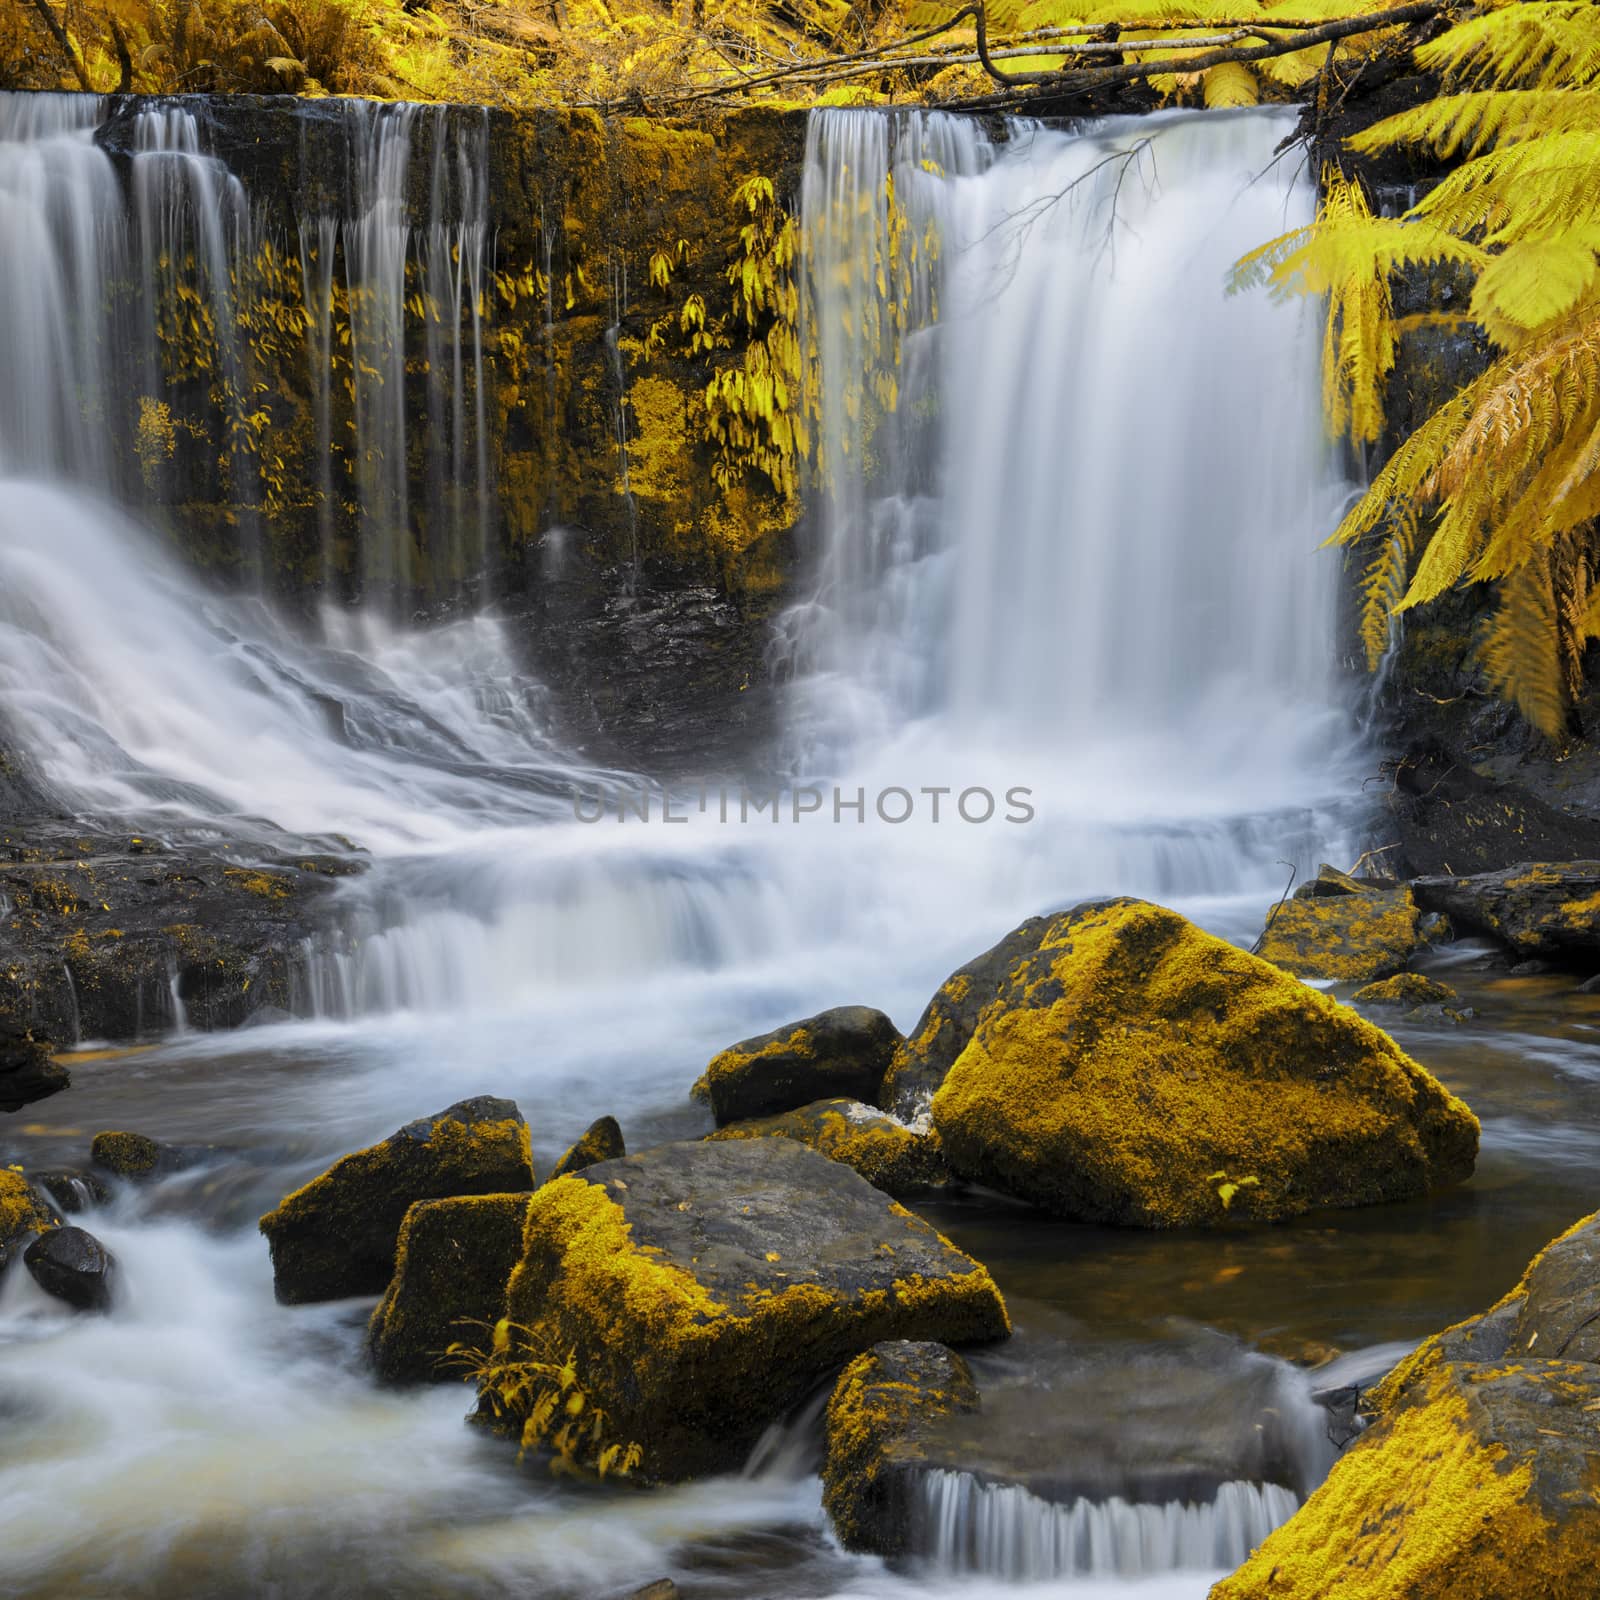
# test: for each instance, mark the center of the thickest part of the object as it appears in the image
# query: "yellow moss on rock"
(1405, 989)
(22, 1211)
(1347, 938)
(891, 1156)
(706, 1288)
(1135, 1069)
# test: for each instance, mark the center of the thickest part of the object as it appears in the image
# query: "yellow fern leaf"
(1231, 84)
(1520, 652)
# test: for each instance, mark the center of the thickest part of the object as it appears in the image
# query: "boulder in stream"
(1478, 1475)
(601, 1141)
(137, 1158)
(1405, 989)
(700, 1291)
(1137, 1070)
(1344, 937)
(28, 1071)
(71, 1191)
(1541, 910)
(898, 1159)
(878, 1420)
(449, 1286)
(73, 1266)
(337, 1236)
(842, 1053)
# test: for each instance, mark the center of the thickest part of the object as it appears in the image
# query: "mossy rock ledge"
(1547, 910)
(706, 1289)
(878, 1419)
(339, 1234)
(1136, 1070)
(901, 1160)
(1477, 1479)
(23, 1213)
(452, 1261)
(842, 1053)
(1346, 937)
(28, 1072)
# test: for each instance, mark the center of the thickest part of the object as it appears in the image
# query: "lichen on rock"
(879, 1411)
(338, 1234)
(704, 1289)
(1136, 1070)
(891, 1156)
(1405, 989)
(1348, 938)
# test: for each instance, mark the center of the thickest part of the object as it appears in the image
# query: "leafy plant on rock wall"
(1501, 484)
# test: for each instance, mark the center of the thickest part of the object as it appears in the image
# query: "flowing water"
(1077, 575)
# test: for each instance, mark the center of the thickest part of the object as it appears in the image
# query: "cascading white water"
(1003, 1531)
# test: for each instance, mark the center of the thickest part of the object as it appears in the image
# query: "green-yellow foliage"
(522, 1375)
(1508, 464)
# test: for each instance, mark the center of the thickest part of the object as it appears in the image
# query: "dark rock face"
(74, 1266)
(601, 1141)
(900, 1160)
(27, 1071)
(72, 1192)
(837, 1054)
(1137, 1070)
(1477, 1475)
(338, 1235)
(946, 1026)
(108, 935)
(708, 1288)
(879, 1418)
(452, 1261)
(1541, 910)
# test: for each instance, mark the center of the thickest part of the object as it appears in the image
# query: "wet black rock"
(337, 1236)
(838, 1054)
(72, 1192)
(27, 1070)
(601, 1141)
(1544, 912)
(74, 1266)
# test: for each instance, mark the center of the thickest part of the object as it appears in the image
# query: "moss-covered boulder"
(949, 1019)
(337, 1236)
(1348, 938)
(452, 1262)
(879, 1416)
(1405, 989)
(705, 1289)
(601, 1141)
(137, 1158)
(23, 1213)
(1477, 1478)
(28, 1071)
(1542, 910)
(898, 1159)
(1137, 1070)
(842, 1053)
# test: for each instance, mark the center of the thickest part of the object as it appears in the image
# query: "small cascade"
(1003, 1531)
(319, 246)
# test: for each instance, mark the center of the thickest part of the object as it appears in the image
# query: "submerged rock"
(888, 1154)
(1477, 1478)
(947, 1023)
(1349, 938)
(1405, 989)
(842, 1053)
(705, 1289)
(878, 1419)
(452, 1261)
(1541, 910)
(601, 1141)
(74, 1266)
(28, 1072)
(138, 1158)
(1137, 1070)
(337, 1236)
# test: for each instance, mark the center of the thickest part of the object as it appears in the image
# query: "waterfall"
(1003, 1531)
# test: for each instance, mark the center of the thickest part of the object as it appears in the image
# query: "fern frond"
(1534, 46)
(1520, 651)
(1231, 84)
(1534, 282)
(1525, 190)
(1471, 123)
(1382, 584)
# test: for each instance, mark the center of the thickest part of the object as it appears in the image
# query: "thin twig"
(1261, 939)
